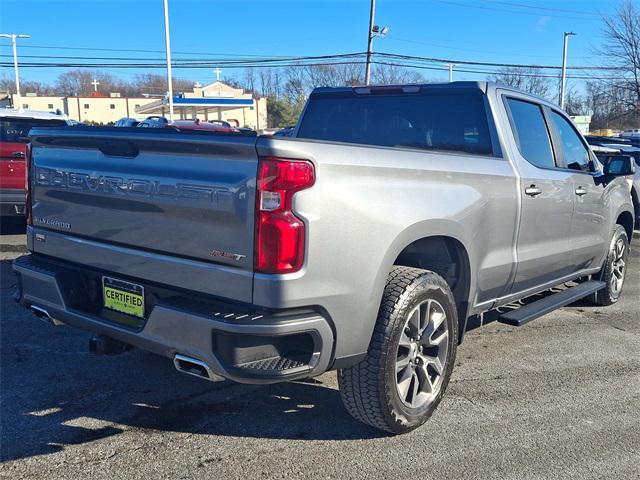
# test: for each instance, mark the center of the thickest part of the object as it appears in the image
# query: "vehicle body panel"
(163, 207)
(180, 196)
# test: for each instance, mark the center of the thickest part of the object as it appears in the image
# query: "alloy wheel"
(422, 354)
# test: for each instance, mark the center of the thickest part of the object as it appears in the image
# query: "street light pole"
(367, 73)
(167, 43)
(13, 37)
(563, 79)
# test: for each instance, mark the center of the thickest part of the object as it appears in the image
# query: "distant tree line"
(78, 83)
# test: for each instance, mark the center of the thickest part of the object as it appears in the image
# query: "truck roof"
(479, 87)
(25, 113)
(406, 88)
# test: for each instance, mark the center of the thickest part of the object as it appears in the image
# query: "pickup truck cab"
(367, 242)
(14, 139)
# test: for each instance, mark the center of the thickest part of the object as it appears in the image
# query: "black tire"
(609, 294)
(368, 389)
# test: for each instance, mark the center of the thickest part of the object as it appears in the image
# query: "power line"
(492, 64)
(391, 62)
(537, 7)
(277, 61)
(493, 72)
(132, 50)
(520, 12)
(392, 37)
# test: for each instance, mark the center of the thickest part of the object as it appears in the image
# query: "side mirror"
(618, 165)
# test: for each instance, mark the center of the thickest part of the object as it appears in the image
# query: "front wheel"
(401, 381)
(614, 270)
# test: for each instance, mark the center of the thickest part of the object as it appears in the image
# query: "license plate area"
(124, 297)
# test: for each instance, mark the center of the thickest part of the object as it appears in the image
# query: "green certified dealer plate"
(124, 297)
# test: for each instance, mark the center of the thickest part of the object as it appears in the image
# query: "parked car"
(154, 122)
(632, 133)
(367, 244)
(199, 125)
(285, 132)
(222, 123)
(14, 140)
(126, 122)
(599, 140)
(612, 147)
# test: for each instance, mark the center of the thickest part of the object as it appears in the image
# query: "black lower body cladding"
(238, 342)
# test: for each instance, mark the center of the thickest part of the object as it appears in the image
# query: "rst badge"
(231, 256)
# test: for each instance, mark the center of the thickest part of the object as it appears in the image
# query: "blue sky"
(510, 31)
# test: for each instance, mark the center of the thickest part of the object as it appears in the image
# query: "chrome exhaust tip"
(195, 367)
(43, 314)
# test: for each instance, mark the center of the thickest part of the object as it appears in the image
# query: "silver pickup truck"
(368, 242)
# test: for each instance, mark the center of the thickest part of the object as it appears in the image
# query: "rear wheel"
(614, 270)
(399, 384)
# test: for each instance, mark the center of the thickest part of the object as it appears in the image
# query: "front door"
(589, 234)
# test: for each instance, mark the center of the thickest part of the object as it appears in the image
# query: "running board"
(531, 311)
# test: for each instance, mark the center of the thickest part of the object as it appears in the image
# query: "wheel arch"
(448, 257)
(626, 220)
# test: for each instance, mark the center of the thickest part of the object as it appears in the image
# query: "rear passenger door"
(543, 246)
(589, 232)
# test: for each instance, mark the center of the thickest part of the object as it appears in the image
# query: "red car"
(14, 140)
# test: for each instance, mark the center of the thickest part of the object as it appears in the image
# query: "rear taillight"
(280, 235)
(27, 186)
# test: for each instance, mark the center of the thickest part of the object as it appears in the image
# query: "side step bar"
(531, 311)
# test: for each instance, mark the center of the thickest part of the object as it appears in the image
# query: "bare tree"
(392, 74)
(621, 52)
(530, 80)
(8, 84)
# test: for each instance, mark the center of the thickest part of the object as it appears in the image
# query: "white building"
(216, 101)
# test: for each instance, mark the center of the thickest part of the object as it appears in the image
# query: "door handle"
(580, 191)
(18, 154)
(532, 191)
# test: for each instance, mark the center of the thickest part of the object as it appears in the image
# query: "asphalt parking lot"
(559, 398)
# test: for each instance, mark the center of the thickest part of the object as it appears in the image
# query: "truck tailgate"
(179, 196)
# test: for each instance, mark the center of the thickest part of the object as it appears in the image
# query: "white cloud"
(542, 23)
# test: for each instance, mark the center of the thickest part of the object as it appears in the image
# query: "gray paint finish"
(366, 206)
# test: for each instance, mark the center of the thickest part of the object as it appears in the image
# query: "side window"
(576, 154)
(530, 131)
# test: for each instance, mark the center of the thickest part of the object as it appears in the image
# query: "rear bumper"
(11, 201)
(247, 347)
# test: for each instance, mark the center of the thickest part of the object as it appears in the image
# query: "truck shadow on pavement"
(56, 394)
(12, 225)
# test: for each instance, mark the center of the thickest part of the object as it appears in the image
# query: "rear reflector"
(280, 234)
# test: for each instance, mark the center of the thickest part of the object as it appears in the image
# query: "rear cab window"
(429, 120)
(16, 130)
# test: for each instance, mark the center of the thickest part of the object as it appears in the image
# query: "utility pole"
(13, 36)
(367, 73)
(167, 42)
(563, 79)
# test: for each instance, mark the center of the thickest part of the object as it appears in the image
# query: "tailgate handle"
(119, 148)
